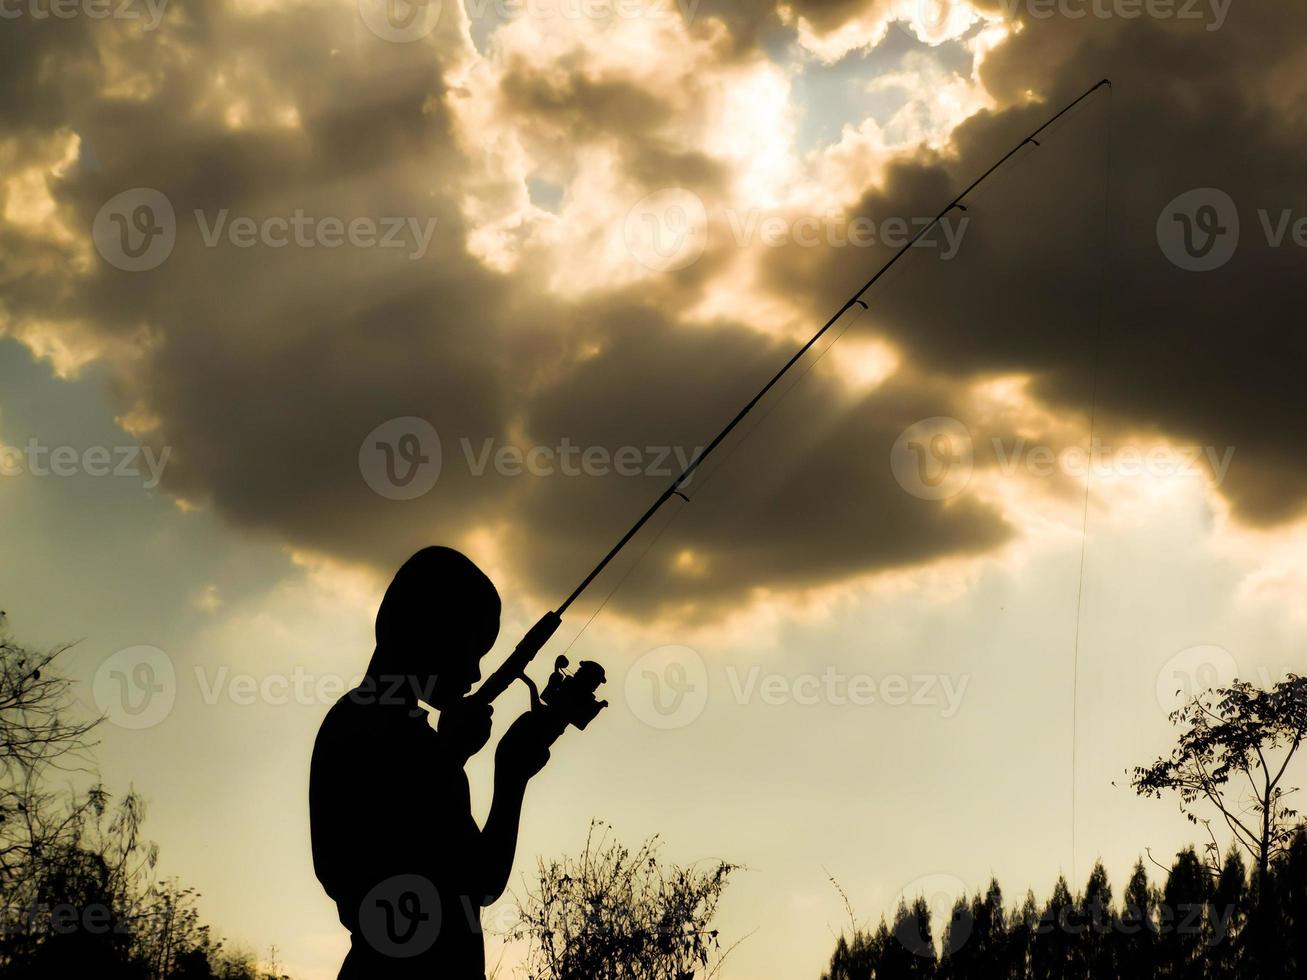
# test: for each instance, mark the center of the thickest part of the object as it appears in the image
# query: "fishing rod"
(573, 695)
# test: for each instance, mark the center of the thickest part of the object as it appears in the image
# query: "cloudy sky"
(290, 289)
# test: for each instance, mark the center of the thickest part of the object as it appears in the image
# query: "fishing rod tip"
(1105, 81)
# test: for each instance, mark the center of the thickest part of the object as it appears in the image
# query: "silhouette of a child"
(394, 841)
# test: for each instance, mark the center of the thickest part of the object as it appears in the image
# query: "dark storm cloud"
(1203, 357)
(807, 498)
(268, 367)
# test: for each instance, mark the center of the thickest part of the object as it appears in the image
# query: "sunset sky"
(291, 289)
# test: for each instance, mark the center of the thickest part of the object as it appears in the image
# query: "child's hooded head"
(439, 617)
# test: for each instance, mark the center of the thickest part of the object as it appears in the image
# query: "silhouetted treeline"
(1195, 926)
(79, 898)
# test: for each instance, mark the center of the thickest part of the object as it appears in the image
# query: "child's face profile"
(459, 663)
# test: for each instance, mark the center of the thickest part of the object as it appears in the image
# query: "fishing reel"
(572, 696)
(568, 698)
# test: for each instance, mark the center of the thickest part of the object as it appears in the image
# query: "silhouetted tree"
(1022, 934)
(1184, 912)
(1096, 918)
(976, 938)
(858, 957)
(1233, 754)
(1229, 916)
(911, 954)
(1137, 928)
(1052, 951)
(1292, 906)
(77, 894)
(39, 738)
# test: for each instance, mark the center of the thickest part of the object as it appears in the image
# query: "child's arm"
(522, 752)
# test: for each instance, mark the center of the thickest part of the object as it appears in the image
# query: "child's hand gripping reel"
(568, 699)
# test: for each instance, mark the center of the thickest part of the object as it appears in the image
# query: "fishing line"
(757, 424)
(862, 310)
(626, 574)
(548, 624)
(702, 484)
(1105, 255)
